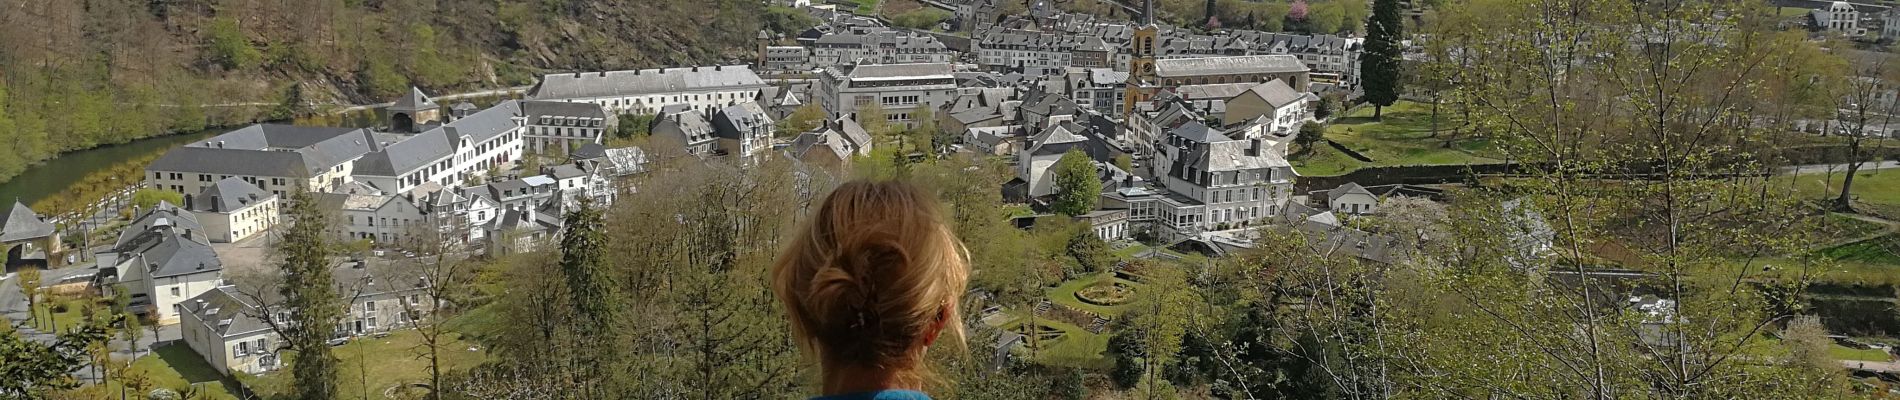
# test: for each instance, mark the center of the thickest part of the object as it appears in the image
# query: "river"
(54, 175)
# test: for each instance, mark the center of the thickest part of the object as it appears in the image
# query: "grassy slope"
(1877, 191)
(1403, 137)
(390, 361)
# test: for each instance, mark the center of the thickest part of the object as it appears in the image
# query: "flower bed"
(1106, 294)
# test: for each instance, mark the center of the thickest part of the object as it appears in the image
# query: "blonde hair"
(870, 274)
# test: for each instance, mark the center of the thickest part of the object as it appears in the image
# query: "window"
(372, 322)
(369, 306)
(174, 291)
(243, 348)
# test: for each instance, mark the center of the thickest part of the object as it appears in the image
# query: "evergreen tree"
(1379, 68)
(595, 298)
(310, 298)
(1077, 186)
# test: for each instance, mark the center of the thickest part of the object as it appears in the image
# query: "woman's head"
(873, 279)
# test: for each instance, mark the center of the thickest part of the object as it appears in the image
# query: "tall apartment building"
(901, 90)
(645, 91)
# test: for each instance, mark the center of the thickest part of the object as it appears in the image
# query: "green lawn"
(864, 7)
(1878, 190)
(1884, 250)
(174, 367)
(1076, 348)
(1840, 352)
(1065, 295)
(61, 321)
(1402, 137)
(371, 365)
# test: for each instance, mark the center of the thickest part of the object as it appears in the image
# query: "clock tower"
(1141, 64)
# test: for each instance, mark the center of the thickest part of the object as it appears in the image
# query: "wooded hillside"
(83, 73)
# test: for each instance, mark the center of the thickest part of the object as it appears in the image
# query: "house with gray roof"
(232, 327)
(25, 234)
(448, 155)
(644, 91)
(233, 209)
(276, 158)
(160, 259)
(901, 90)
(384, 220)
(744, 130)
(1232, 69)
(831, 145)
(1275, 103)
(688, 129)
(563, 126)
(413, 112)
(1216, 180)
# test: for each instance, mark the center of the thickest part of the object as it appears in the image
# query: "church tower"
(1141, 63)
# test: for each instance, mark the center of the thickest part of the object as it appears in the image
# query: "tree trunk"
(1845, 203)
(1378, 112)
(1435, 119)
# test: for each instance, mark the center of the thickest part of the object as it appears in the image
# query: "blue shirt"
(898, 394)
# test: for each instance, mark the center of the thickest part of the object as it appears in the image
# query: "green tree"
(29, 281)
(806, 118)
(630, 126)
(1077, 186)
(36, 370)
(595, 294)
(133, 331)
(147, 198)
(1379, 67)
(1311, 134)
(310, 299)
(229, 46)
(1089, 250)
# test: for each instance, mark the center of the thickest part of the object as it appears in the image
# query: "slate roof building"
(160, 259)
(276, 158)
(232, 210)
(884, 46)
(227, 326)
(832, 145)
(379, 218)
(1209, 180)
(448, 154)
(901, 90)
(744, 130)
(563, 126)
(413, 112)
(645, 91)
(25, 234)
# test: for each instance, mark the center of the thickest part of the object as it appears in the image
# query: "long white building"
(645, 91)
(448, 154)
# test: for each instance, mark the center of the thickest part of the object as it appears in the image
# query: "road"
(440, 99)
(1838, 168)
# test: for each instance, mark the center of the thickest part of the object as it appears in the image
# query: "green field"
(864, 7)
(1065, 295)
(1076, 348)
(172, 367)
(1403, 137)
(371, 365)
(1877, 191)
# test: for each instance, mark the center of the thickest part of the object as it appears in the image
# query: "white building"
(1211, 181)
(645, 91)
(1277, 105)
(901, 90)
(449, 154)
(877, 47)
(233, 210)
(744, 130)
(563, 126)
(379, 218)
(276, 158)
(226, 325)
(1349, 198)
(161, 259)
(1840, 17)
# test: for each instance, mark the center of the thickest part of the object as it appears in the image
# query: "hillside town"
(1171, 143)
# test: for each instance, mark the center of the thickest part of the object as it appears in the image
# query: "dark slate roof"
(647, 81)
(421, 149)
(733, 121)
(1346, 189)
(534, 109)
(217, 306)
(588, 151)
(1276, 93)
(565, 171)
(22, 223)
(269, 150)
(882, 71)
(1196, 131)
(1181, 67)
(414, 101)
(164, 216)
(168, 252)
(228, 194)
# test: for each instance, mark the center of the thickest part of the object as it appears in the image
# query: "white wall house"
(1839, 17)
(233, 210)
(563, 126)
(161, 259)
(645, 91)
(901, 90)
(1351, 198)
(448, 154)
(383, 219)
(276, 158)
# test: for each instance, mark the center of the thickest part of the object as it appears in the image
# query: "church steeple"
(1147, 12)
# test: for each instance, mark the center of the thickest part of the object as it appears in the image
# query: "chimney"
(135, 209)
(359, 264)
(662, 70)
(220, 144)
(719, 67)
(603, 74)
(636, 72)
(1254, 146)
(695, 68)
(577, 74)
